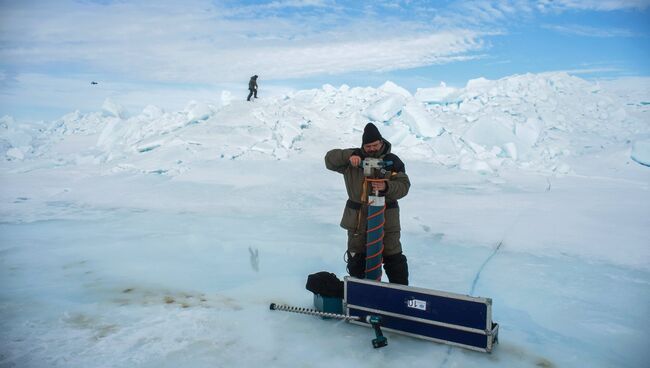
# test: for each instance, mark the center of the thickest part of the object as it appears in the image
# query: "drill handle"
(379, 340)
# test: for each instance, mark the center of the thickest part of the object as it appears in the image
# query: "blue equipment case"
(448, 318)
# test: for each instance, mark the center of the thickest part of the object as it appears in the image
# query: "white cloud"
(201, 42)
(342, 56)
(587, 70)
(295, 4)
(599, 5)
(486, 14)
(483, 14)
(587, 31)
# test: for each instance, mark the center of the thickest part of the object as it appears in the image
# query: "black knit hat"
(370, 134)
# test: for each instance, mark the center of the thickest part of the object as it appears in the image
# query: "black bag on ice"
(325, 284)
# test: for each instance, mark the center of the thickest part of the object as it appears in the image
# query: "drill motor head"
(370, 164)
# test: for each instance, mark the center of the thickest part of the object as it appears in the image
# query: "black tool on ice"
(380, 341)
(375, 321)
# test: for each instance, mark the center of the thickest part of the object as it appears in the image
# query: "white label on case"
(417, 304)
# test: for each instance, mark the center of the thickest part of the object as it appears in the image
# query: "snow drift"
(528, 121)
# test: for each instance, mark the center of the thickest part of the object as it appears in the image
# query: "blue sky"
(167, 52)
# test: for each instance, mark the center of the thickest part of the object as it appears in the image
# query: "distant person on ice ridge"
(348, 162)
(252, 87)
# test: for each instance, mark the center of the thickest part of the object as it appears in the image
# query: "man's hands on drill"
(355, 161)
(379, 185)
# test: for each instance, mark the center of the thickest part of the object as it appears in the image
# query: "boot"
(357, 265)
(397, 269)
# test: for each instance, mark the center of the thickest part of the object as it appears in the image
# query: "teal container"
(328, 304)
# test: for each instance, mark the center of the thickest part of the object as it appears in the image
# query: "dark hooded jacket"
(252, 84)
(397, 186)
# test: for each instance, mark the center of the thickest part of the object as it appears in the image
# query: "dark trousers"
(396, 267)
(253, 92)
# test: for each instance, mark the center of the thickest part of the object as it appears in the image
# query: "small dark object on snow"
(93, 82)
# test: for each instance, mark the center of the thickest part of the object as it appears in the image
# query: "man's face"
(373, 147)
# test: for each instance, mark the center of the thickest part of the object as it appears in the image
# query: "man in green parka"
(348, 162)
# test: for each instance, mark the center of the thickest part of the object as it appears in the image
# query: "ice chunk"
(437, 94)
(226, 98)
(287, 134)
(511, 150)
(149, 146)
(470, 164)
(444, 145)
(18, 138)
(489, 132)
(641, 152)
(420, 122)
(197, 111)
(152, 112)
(108, 135)
(391, 87)
(113, 108)
(329, 89)
(396, 133)
(15, 153)
(562, 168)
(385, 109)
(478, 84)
(528, 132)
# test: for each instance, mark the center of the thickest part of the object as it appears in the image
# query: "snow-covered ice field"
(159, 239)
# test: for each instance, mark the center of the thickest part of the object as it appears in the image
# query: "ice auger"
(374, 170)
(375, 321)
